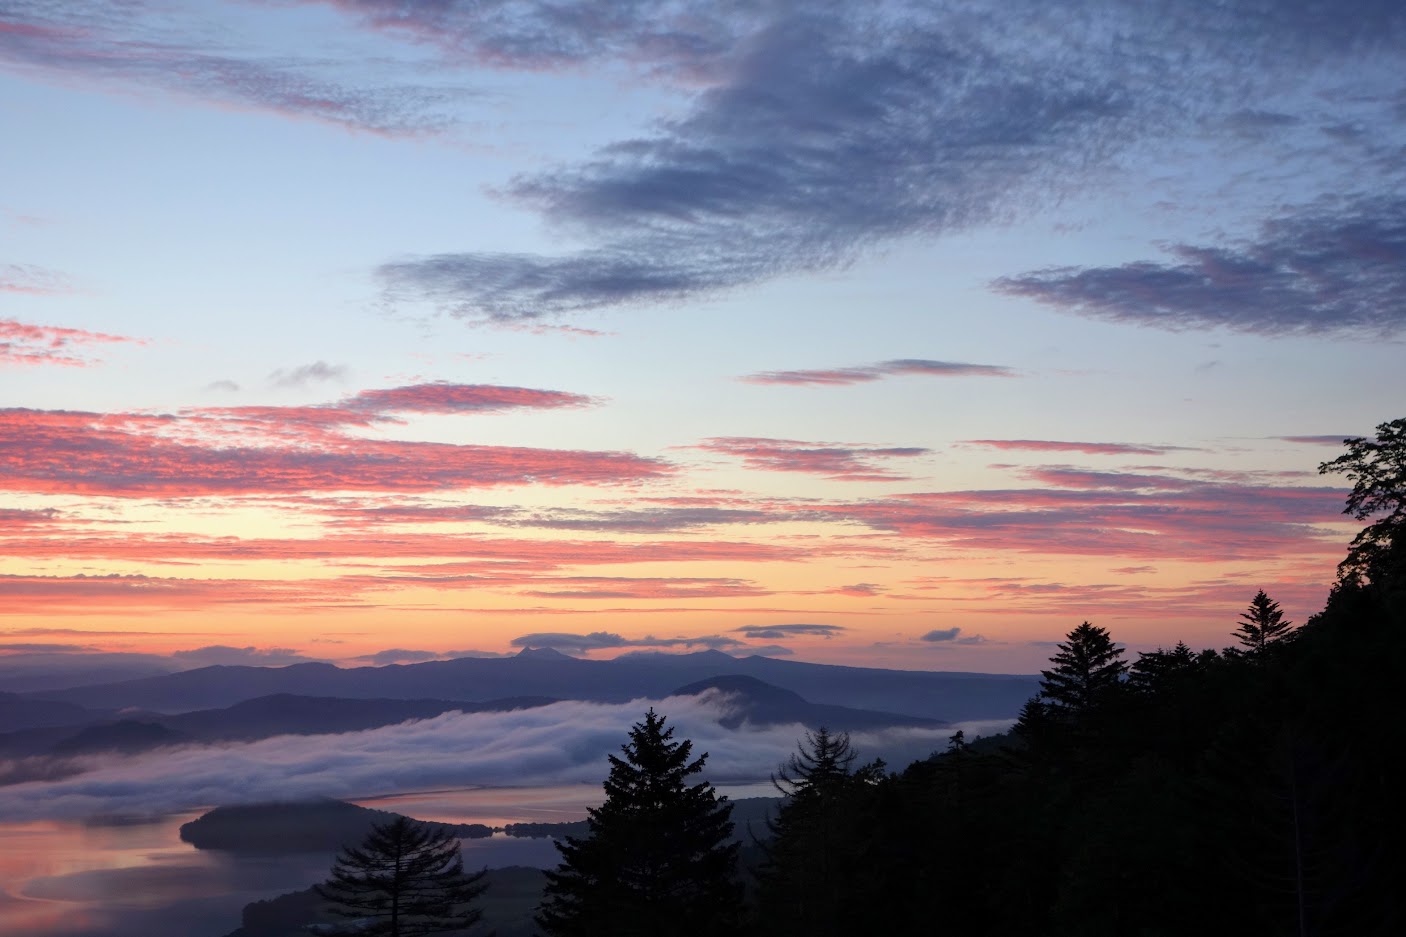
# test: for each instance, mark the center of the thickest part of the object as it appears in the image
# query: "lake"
(133, 877)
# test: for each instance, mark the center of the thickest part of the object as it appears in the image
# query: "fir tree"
(1262, 623)
(657, 859)
(1086, 672)
(406, 878)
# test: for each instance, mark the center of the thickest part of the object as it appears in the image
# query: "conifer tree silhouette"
(1262, 623)
(405, 879)
(657, 859)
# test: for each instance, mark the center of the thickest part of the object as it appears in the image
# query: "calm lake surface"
(135, 878)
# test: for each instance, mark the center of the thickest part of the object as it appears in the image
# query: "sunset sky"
(904, 334)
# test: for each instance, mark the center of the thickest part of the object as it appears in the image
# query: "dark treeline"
(1250, 790)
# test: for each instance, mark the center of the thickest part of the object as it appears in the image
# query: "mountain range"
(943, 696)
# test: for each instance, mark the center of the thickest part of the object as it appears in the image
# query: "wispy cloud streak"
(841, 462)
(1088, 448)
(28, 279)
(1328, 270)
(863, 374)
(1117, 514)
(171, 49)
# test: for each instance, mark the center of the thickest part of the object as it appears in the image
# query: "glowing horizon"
(335, 329)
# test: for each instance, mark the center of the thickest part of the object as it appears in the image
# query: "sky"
(895, 334)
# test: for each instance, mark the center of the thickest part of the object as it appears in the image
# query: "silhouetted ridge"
(127, 736)
(749, 688)
(538, 653)
(547, 672)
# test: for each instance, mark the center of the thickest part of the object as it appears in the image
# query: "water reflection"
(129, 879)
(135, 878)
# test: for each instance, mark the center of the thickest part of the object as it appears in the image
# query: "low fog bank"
(561, 743)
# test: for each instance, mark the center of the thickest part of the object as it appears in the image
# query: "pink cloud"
(22, 343)
(16, 519)
(859, 590)
(864, 373)
(1197, 599)
(294, 449)
(1117, 515)
(820, 376)
(839, 461)
(474, 556)
(104, 593)
(443, 397)
(610, 587)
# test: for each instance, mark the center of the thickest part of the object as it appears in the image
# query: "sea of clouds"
(563, 743)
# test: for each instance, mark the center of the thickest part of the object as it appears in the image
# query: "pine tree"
(657, 859)
(406, 878)
(1086, 672)
(1262, 623)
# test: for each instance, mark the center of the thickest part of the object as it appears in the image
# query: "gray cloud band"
(830, 133)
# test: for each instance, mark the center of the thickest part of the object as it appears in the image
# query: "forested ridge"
(1246, 790)
(1251, 790)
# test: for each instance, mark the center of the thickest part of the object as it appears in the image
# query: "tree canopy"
(1377, 469)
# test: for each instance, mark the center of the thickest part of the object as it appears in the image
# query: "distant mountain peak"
(543, 653)
(750, 688)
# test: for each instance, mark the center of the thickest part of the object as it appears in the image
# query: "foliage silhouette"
(405, 879)
(808, 879)
(657, 859)
(1262, 623)
(1377, 469)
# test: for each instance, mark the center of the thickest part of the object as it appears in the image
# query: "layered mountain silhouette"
(946, 697)
(264, 717)
(90, 732)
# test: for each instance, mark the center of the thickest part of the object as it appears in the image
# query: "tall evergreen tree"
(405, 879)
(1086, 674)
(808, 879)
(657, 859)
(1262, 623)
